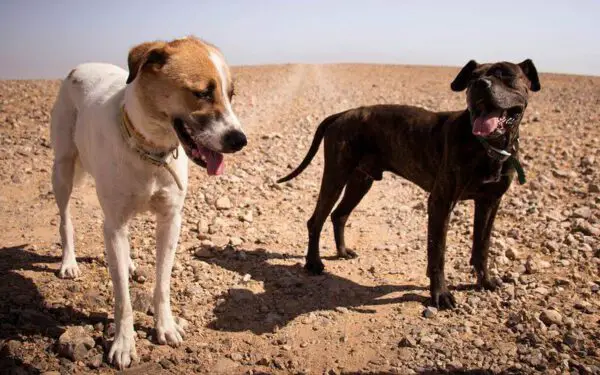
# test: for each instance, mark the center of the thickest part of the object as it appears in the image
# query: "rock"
(586, 228)
(10, 348)
(141, 300)
(430, 312)
(95, 361)
(235, 241)
(478, 342)
(247, 277)
(223, 203)
(512, 253)
(407, 342)
(166, 363)
(531, 266)
(202, 226)
(204, 252)
(237, 357)
(583, 212)
(593, 188)
(248, 217)
(140, 275)
(550, 317)
(75, 343)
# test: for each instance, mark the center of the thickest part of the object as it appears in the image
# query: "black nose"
(483, 83)
(235, 140)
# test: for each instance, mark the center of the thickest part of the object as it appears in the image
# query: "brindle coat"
(435, 150)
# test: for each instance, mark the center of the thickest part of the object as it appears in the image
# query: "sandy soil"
(251, 307)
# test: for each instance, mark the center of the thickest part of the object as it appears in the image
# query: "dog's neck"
(154, 127)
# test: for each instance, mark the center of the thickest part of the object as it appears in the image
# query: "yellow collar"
(142, 146)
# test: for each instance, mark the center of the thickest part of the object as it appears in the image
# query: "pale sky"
(46, 38)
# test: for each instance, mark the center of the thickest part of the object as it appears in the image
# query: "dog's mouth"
(493, 123)
(197, 152)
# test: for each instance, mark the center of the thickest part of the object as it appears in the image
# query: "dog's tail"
(314, 147)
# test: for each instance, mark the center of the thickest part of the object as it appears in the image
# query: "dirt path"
(252, 308)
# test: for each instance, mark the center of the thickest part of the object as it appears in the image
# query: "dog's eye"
(204, 94)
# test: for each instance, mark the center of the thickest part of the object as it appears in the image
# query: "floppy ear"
(531, 73)
(150, 53)
(464, 76)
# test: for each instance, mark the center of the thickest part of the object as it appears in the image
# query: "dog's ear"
(145, 54)
(531, 73)
(464, 76)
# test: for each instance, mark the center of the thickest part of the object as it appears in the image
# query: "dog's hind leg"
(335, 176)
(63, 174)
(357, 187)
(485, 213)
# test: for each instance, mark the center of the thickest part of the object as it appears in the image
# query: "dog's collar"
(142, 146)
(503, 155)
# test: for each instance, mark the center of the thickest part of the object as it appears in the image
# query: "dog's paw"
(314, 267)
(69, 270)
(347, 254)
(443, 300)
(170, 331)
(490, 284)
(122, 352)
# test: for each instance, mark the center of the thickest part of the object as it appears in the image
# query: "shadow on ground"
(290, 292)
(24, 314)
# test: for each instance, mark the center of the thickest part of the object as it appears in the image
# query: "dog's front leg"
(485, 213)
(168, 331)
(439, 209)
(122, 351)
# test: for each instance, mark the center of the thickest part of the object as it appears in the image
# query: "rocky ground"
(239, 280)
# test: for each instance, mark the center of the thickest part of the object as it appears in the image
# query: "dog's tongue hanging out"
(214, 160)
(485, 124)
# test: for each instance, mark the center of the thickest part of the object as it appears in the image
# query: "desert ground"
(239, 280)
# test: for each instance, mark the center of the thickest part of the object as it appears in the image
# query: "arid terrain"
(239, 280)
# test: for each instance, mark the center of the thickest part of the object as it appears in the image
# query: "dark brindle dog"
(470, 154)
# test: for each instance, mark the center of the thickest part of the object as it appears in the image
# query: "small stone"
(264, 361)
(237, 357)
(204, 252)
(247, 277)
(141, 300)
(430, 312)
(583, 212)
(248, 217)
(223, 203)
(407, 342)
(593, 188)
(235, 241)
(10, 348)
(95, 361)
(531, 266)
(512, 254)
(202, 226)
(75, 343)
(166, 363)
(140, 275)
(478, 342)
(550, 317)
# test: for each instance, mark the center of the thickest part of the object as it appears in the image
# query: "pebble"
(75, 343)
(407, 342)
(204, 252)
(512, 254)
(223, 203)
(247, 217)
(593, 188)
(582, 212)
(141, 300)
(235, 241)
(430, 312)
(550, 317)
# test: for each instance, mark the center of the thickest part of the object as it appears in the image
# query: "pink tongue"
(214, 162)
(485, 125)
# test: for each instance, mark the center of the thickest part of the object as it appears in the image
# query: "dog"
(463, 155)
(133, 132)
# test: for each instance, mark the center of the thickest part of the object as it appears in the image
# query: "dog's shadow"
(24, 313)
(289, 291)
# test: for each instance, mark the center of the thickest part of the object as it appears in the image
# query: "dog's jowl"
(133, 132)
(471, 154)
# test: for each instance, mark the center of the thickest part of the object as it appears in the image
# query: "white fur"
(85, 129)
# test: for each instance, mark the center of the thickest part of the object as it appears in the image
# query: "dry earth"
(251, 307)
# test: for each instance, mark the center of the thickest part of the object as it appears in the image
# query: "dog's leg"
(168, 331)
(485, 213)
(63, 173)
(334, 179)
(357, 187)
(439, 209)
(122, 351)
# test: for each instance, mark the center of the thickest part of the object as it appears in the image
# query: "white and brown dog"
(132, 134)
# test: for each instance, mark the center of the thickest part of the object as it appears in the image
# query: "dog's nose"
(483, 83)
(235, 140)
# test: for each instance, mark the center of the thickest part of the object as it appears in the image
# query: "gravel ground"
(239, 281)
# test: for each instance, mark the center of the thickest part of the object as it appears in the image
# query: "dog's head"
(497, 94)
(187, 83)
